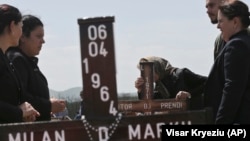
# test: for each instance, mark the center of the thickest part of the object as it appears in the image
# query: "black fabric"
(182, 79)
(186, 80)
(34, 82)
(10, 93)
(227, 89)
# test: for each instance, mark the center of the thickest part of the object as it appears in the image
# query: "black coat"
(227, 89)
(10, 93)
(34, 82)
(183, 79)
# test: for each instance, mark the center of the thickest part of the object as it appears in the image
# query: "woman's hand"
(183, 95)
(29, 112)
(138, 84)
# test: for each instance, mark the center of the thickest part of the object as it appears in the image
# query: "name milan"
(203, 134)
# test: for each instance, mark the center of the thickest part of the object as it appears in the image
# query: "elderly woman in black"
(172, 82)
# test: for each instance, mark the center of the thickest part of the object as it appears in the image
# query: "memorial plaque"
(98, 66)
(159, 105)
(126, 128)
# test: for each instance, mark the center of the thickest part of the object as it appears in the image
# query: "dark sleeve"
(42, 105)
(10, 113)
(195, 83)
(236, 72)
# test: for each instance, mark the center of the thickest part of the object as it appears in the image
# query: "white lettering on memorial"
(29, 136)
(158, 129)
(103, 133)
(133, 133)
(171, 105)
(125, 106)
(46, 136)
(148, 132)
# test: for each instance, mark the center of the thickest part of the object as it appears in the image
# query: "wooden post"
(98, 67)
(147, 73)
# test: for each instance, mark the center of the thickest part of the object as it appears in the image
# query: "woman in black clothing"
(172, 82)
(33, 80)
(227, 89)
(12, 100)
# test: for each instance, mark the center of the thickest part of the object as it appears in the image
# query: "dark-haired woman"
(25, 61)
(228, 86)
(13, 107)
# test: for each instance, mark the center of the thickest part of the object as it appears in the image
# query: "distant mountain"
(72, 94)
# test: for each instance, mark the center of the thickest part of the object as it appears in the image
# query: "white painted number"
(94, 33)
(93, 49)
(104, 93)
(112, 109)
(102, 32)
(103, 51)
(95, 79)
(86, 62)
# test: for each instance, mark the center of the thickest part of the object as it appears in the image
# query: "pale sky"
(178, 30)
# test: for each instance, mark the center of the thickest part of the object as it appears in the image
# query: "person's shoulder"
(219, 38)
(184, 69)
(239, 43)
(219, 42)
(14, 53)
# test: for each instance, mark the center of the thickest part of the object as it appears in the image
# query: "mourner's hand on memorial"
(182, 95)
(29, 112)
(138, 84)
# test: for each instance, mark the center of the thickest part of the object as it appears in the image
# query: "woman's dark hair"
(30, 22)
(236, 9)
(8, 14)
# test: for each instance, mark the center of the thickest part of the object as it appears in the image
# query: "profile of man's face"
(212, 7)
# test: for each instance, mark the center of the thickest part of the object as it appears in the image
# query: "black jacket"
(227, 89)
(183, 79)
(10, 93)
(34, 82)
